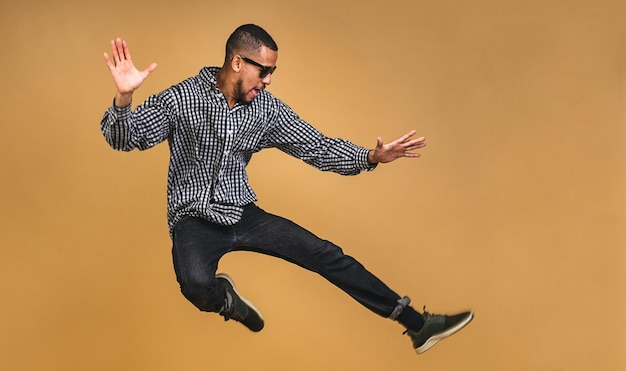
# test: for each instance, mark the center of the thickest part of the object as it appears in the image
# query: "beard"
(240, 95)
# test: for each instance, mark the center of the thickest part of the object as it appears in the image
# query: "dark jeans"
(199, 244)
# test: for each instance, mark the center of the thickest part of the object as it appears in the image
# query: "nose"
(267, 79)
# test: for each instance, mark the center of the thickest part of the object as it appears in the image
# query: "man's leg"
(197, 248)
(272, 235)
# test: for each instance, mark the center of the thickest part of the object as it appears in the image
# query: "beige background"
(516, 209)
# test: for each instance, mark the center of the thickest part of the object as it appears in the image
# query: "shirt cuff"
(120, 112)
(363, 161)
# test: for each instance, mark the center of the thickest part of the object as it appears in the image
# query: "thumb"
(379, 143)
(149, 70)
(151, 67)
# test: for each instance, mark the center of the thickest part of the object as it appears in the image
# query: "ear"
(236, 63)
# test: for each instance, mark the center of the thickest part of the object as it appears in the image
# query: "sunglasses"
(264, 69)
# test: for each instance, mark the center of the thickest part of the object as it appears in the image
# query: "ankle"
(411, 319)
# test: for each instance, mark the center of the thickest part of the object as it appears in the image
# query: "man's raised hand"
(126, 76)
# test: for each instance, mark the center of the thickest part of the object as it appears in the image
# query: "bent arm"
(148, 125)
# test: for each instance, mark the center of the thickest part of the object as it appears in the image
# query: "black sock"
(411, 319)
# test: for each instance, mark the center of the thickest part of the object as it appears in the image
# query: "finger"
(411, 150)
(107, 60)
(417, 143)
(119, 50)
(406, 136)
(402, 141)
(116, 57)
(126, 50)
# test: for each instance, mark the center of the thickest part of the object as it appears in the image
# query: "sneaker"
(437, 327)
(238, 308)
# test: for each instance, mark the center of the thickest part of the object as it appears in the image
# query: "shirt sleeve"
(299, 139)
(143, 128)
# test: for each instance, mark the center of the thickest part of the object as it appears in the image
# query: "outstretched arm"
(126, 76)
(401, 147)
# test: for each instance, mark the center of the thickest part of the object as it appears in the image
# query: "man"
(213, 123)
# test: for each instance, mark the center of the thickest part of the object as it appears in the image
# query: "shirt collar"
(207, 75)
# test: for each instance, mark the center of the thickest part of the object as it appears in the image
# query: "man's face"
(250, 82)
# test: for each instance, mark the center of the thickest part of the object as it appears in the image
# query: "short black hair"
(248, 38)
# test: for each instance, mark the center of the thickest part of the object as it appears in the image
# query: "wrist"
(123, 99)
(370, 157)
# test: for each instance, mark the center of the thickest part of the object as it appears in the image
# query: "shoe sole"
(232, 284)
(442, 335)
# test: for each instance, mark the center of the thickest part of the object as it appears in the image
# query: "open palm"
(126, 76)
(401, 147)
